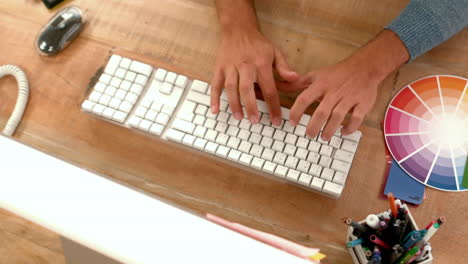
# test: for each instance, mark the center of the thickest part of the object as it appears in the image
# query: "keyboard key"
(344, 156)
(113, 64)
(95, 96)
(300, 131)
(290, 150)
(246, 159)
(156, 129)
(211, 135)
(211, 147)
(200, 143)
(104, 79)
(269, 167)
(87, 105)
(245, 146)
(315, 170)
(125, 63)
(162, 119)
(234, 155)
(291, 162)
(119, 116)
(255, 138)
(199, 98)
(100, 86)
(145, 125)
(291, 139)
(278, 146)
(222, 139)
(293, 175)
(199, 86)
(181, 81)
(268, 131)
(327, 174)
(355, 137)
(134, 121)
(313, 157)
(317, 183)
(335, 142)
(326, 151)
(340, 178)
(256, 150)
(304, 179)
(332, 188)
(166, 88)
(183, 126)
(222, 151)
(314, 146)
(268, 154)
(257, 163)
(188, 140)
(175, 135)
(171, 77)
(341, 166)
(301, 153)
(201, 110)
(280, 158)
(349, 146)
(160, 75)
(325, 161)
(141, 68)
(281, 171)
(266, 142)
(233, 142)
(303, 166)
(108, 113)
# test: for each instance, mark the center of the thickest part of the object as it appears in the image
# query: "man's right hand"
(246, 57)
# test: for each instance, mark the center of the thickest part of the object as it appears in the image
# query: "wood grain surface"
(183, 36)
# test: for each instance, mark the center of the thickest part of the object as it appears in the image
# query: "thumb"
(283, 69)
(301, 83)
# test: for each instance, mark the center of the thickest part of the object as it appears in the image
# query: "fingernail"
(276, 121)
(253, 119)
(238, 116)
(214, 109)
(293, 123)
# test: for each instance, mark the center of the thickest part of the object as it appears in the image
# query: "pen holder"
(358, 255)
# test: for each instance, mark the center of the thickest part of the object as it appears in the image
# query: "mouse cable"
(23, 95)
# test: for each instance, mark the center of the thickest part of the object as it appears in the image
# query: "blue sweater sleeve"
(424, 24)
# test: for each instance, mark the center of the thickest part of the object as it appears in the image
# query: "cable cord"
(23, 95)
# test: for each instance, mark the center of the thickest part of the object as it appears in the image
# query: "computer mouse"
(60, 31)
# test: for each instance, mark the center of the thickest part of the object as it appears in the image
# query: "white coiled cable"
(23, 95)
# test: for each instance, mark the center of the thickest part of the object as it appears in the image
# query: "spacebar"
(199, 98)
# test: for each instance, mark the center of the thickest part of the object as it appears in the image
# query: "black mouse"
(60, 31)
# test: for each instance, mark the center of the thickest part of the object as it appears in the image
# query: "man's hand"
(246, 57)
(348, 87)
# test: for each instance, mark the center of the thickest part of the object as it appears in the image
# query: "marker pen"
(414, 257)
(397, 252)
(367, 252)
(413, 239)
(385, 215)
(358, 226)
(430, 224)
(431, 231)
(376, 257)
(393, 207)
(407, 256)
(373, 221)
(354, 243)
(424, 253)
(378, 241)
(441, 220)
(383, 224)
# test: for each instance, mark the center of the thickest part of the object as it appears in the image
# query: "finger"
(303, 101)
(270, 94)
(321, 115)
(247, 78)
(301, 83)
(216, 88)
(283, 68)
(357, 116)
(231, 87)
(336, 118)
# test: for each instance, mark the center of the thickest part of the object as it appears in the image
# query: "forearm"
(424, 24)
(237, 15)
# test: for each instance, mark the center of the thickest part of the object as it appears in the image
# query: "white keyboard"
(172, 106)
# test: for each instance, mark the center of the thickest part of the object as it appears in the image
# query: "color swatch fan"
(426, 130)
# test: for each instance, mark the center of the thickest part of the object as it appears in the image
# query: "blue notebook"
(403, 186)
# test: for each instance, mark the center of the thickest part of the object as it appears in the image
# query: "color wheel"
(426, 130)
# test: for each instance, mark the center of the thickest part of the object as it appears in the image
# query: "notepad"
(403, 186)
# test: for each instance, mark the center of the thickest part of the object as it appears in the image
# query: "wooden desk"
(183, 35)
